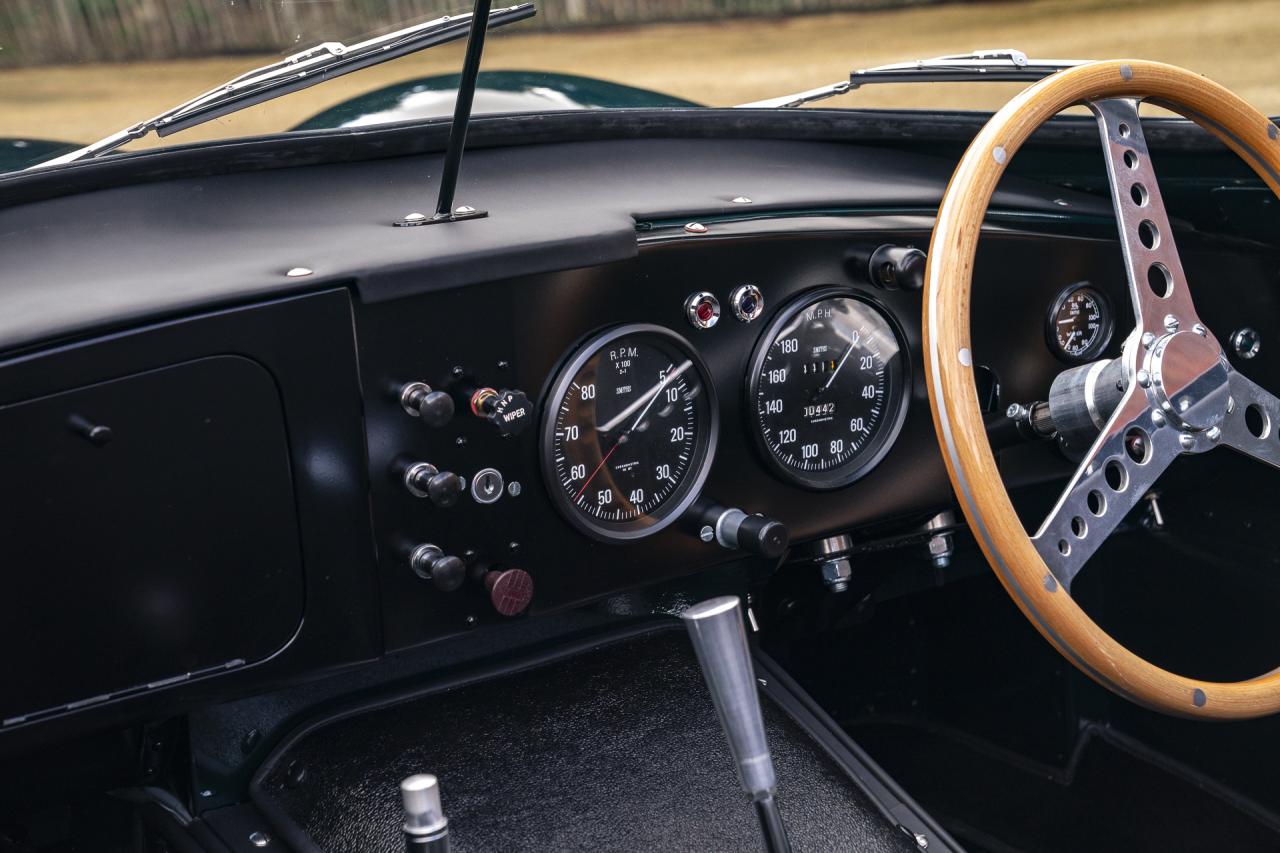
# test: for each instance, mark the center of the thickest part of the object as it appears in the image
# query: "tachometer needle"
(587, 482)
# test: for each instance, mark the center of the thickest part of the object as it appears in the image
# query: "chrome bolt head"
(707, 533)
(1144, 379)
(695, 228)
(464, 209)
(1148, 340)
(1187, 440)
(1200, 330)
(1171, 323)
(1214, 433)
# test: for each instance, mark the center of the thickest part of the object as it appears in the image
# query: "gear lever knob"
(426, 829)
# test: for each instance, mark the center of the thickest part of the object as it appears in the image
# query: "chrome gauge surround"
(1058, 322)
(879, 339)
(695, 391)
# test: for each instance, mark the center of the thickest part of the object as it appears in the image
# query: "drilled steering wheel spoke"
(1123, 463)
(1252, 426)
(1157, 285)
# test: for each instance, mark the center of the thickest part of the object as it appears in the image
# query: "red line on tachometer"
(597, 471)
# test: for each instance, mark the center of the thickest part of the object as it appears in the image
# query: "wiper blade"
(292, 74)
(991, 66)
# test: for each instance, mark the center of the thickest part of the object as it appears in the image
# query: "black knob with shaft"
(736, 530)
(434, 407)
(424, 480)
(897, 267)
(431, 563)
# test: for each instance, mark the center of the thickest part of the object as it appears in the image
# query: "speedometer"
(826, 389)
(628, 432)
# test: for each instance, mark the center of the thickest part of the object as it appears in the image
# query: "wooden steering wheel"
(1180, 395)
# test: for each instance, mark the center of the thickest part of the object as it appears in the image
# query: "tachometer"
(628, 432)
(826, 389)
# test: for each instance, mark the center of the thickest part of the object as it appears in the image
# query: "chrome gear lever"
(426, 829)
(715, 626)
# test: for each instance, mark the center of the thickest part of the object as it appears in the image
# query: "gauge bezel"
(897, 399)
(704, 450)
(1104, 334)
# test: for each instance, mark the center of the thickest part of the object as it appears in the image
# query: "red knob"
(510, 590)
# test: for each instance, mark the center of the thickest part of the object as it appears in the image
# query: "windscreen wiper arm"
(292, 74)
(994, 66)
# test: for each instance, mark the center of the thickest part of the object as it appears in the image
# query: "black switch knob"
(897, 267)
(424, 480)
(737, 531)
(431, 563)
(509, 410)
(434, 407)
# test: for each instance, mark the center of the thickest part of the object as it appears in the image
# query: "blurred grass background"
(718, 62)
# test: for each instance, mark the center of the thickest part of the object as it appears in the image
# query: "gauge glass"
(1079, 323)
(628, 432)
(826, 389)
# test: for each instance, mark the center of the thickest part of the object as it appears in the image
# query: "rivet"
(1144, 379)
(1126, 72)
(1272, 132)
(414, 218)
(999, 155)
(1214, 433)
(464, 208)
(1231, 405)
(965, 356)
(1157, 418)
(1187, 440)
(1198, 698)
(1050, 583)
(742, 199)
(695, 228)
(299, 272)
(1171, 322)
(1148, 339)
(259, 839)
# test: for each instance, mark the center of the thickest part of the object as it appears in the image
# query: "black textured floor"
(615, 749)
(1113, 799)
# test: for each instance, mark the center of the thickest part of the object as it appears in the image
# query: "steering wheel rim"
(1040, 586)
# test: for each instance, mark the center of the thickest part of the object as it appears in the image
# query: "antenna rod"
(462, 115)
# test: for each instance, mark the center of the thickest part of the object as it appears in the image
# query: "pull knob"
(425, 828)
(737, 531)
(431, 563)
(510, 590)
(897, 267)
(424, 480)
(434, 407)
(509, 410)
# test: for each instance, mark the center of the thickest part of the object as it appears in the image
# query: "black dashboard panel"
(515, 334)
(147, 507)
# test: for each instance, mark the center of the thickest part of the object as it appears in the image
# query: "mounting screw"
(1214, 433)
(299, 272)
(259, 839)
(695, 228)
(1148, 340)
(1171, 323)
(464, 209)
(707, 533)
(250, 740)
(414, 218)
(1200, 330)
(742, 199)
(1187, 440)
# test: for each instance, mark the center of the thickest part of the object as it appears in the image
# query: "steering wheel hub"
(1189, 380)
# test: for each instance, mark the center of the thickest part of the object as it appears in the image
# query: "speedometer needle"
(587, 482)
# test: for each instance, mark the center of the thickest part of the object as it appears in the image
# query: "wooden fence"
(34, 32)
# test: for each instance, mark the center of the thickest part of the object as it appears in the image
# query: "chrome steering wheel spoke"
(1252, 425)
(1157, 284)
(1119, 468)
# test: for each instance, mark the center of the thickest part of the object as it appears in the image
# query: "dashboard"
(231, 475)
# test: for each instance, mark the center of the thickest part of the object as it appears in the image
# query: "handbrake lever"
(715, 626)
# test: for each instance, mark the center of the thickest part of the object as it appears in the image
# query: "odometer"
(628, 432)
(826, 389)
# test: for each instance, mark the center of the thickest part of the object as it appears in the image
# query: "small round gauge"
(1079, 323)
(628, 432)
(826, 389)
